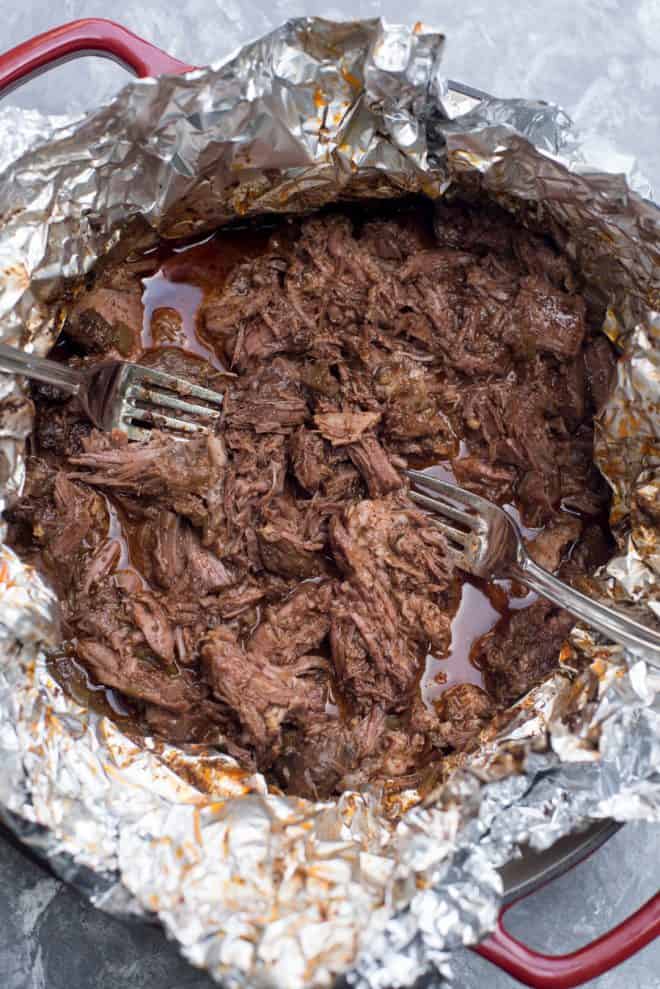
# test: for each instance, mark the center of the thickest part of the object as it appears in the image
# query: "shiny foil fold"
(260, 889)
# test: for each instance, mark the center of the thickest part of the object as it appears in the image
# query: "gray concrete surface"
(601, 60)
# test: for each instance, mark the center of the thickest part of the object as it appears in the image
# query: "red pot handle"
(565, 971)
(91, 36)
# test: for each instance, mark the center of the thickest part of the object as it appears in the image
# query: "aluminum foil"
(260, 889)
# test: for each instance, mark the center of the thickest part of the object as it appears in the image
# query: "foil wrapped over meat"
(257, 887)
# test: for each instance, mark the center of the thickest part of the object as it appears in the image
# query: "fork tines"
(151, 390)
(443, 499)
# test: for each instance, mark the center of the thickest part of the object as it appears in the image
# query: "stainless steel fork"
(123, 396)
(485, 541)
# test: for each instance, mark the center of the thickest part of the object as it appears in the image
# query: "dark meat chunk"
(206, 722)
(333, 756)
(262, 695)
(463, 711)
(390, 607)
(173, 556)
(494, 284)
(345, 427)
(292, 538)
(373, 464)
(172, 474)
(391, 535)
(371, 661)
(37, 500)
(108, 318)
(414, 422)
(150, 617)
(522, 432)
(65, 520)
(204, 571)
(238, 600)
(546, 319)
(78, 512)
(595, 547)
(138, 679)
(473, 342)
(392, 240)
(600, 364)
(296, 626)
(490, 480)
(277, 414)
(541, 258)
(61, 430)
(540, 496)
(485, 230)
(330, 753)
(552, 543)
(256, 473)
(436, 262)
(309, 459)
(521, 650)
(285, 551)
(316, 765)
(252, 319)
(267, 401)
(344, 483)
(583, 489)
(574, 405)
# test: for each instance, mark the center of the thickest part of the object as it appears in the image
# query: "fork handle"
(17, 361)
(637, 638)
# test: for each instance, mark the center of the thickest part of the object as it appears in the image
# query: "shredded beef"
(599, 362)
(522, 649)
(463, 711)
(373, 464)
(269, 587)
(107, 319)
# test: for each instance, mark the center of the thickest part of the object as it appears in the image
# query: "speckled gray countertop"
(600, 59)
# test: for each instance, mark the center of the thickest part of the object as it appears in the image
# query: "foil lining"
(260, 889)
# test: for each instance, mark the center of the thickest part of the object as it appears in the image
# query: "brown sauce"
(474, 617)
(120, 532)
(74, 678)
(116, 534)
(162, 294)
(482, 605)
(209, 263)
(189, 275)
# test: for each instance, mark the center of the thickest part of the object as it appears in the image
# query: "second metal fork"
(483, 540)
(117, 395)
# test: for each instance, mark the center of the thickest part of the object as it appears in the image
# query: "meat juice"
(186, 275)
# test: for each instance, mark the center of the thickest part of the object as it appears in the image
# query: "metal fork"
(485, 541)
(122, 396)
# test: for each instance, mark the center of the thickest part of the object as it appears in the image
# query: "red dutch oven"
(94, 36)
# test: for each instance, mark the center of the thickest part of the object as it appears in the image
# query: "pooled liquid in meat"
(270, 588)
